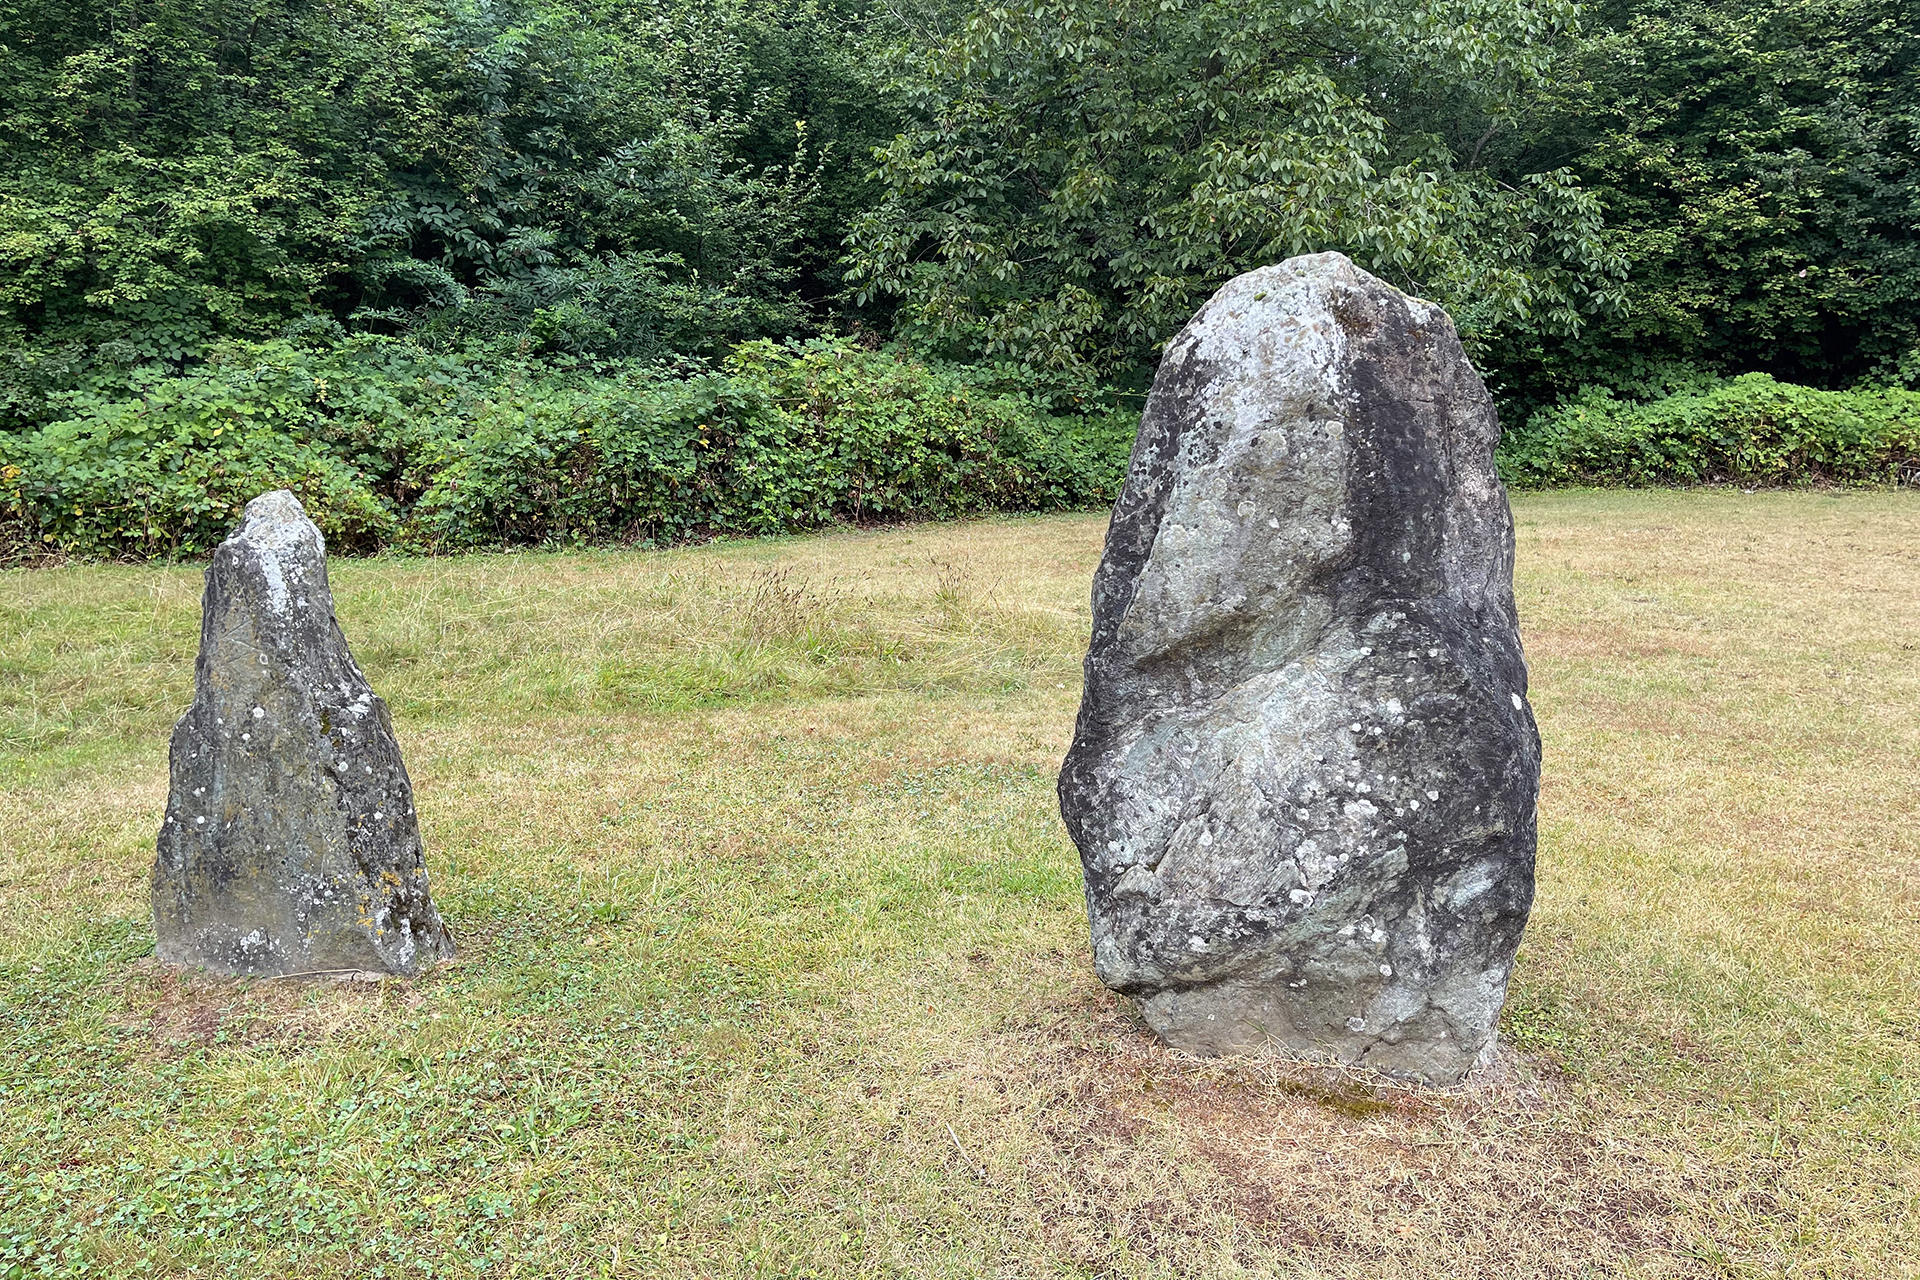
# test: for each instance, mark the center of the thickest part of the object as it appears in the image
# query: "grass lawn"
(773, 958)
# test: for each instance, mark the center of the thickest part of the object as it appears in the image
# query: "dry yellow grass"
(773, 958)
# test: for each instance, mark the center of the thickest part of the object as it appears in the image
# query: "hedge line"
(1746, 430)
(389, 445)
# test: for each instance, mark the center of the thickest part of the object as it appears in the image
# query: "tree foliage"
(618, 180)
(1758, 165)
(1082, 173)
(1640, 196)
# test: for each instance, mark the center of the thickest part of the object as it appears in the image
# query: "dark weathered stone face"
(290, 843)
(1303, 778)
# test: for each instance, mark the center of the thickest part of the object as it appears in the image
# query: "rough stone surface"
(290, 843)
(1304, 773)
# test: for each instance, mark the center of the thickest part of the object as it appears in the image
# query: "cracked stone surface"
(290, 843)
(1304, 773)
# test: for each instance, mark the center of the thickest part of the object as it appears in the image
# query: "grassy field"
(773, 956)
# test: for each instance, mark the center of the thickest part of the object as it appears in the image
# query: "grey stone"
(290, 843)
(1304, 774)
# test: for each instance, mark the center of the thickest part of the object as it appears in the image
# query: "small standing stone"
(1303, 778)
(290, 843)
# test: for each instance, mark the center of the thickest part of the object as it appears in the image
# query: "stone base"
(1429, 1044)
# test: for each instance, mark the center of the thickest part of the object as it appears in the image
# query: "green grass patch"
(773, 960)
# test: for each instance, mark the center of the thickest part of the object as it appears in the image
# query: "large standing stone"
(290, 843)
(1304, 774)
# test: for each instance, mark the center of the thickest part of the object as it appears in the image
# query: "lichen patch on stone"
(1314, 470)
(255, 893)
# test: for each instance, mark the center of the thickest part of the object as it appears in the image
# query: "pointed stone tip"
(279, 553)
(276, 521)
(1275, 289)
(278, 507)
(1309, 263)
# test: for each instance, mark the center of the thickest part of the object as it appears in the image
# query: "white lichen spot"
(277, 594)
(1356, 1024)
(1517, 704)
(1386, 971)
(1433, 795)
(258, 712)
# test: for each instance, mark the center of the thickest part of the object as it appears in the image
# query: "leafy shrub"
(781, 438)
(1749, 430)
(387, 444)
(163, 467)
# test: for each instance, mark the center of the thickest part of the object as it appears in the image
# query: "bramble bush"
(387, 444)
(780, 438)
(1748, 430)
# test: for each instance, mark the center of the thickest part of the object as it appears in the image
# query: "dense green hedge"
(1748, 430)
(386, 444)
